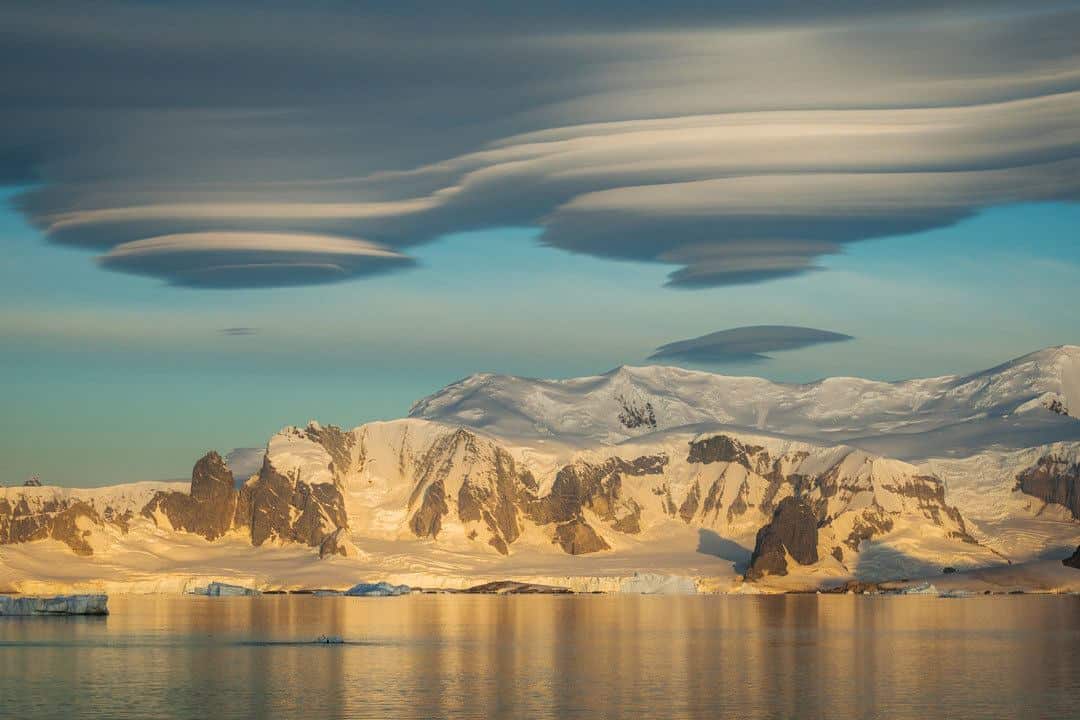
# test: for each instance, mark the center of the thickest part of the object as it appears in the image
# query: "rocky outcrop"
(281, 508)
(596, 487)
(636, 413)
(337, 543)
(577, 537)
(70, 521)
(272, 506)
(338, 443)
(1053, 480)
(463, 477)
(513, 587)
(427, 520)
(792, 531)
(209, 508)
(721, 448)
(1073, 560)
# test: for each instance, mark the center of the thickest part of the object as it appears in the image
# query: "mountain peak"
(843, 409)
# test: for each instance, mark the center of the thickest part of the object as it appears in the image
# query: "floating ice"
(59, 605)
(378, 589)
(220, 589)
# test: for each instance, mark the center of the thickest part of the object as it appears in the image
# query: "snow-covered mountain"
(1004, 406)
(586, 482)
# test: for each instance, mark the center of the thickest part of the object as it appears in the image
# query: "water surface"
(550, 657)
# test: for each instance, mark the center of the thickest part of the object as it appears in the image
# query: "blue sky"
(110, 377)
(386, 197)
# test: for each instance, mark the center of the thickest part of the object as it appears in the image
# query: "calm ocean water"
(460, 656)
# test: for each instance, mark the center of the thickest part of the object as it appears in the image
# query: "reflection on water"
(544, 656)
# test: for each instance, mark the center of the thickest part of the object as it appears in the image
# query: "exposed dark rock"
(1073, 560)
(52, 519)
(689, 507)
(1053, 480)
(209, 508)
(858, 587)
(427, 520)
(712, 499)
(596, 487)
(793, 529)
(721, 448)
(269, 506)
(121, 520)
(494, 499)
(578, 538)
(1057, 407)
(872, 522)
(512, 587)
(740, 504)
(336, 543)
(838, 553)
(635, 414)
(929, 494)
(338, 444)
(948, 570)
(629, 524)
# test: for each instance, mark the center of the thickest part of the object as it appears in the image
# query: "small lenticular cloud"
(237, 331)
(745, 344)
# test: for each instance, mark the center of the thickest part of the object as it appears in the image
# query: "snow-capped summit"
(671, 471)
(631, 401)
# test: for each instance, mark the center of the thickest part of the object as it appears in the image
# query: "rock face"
(474, 481)
(275, 506)
(1054, 480)
(577, 537)
(597, 488)
(512, 587)
(29, 518)
(792, 531)
(208, 510)
(282, 508)
(1073, 560)
(60, 605)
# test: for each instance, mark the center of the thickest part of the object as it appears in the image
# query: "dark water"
(550, 657)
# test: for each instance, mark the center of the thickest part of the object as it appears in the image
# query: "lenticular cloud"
(734, 148)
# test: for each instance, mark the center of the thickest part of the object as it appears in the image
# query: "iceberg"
(220, 589)
(59, 605)
(379, 589)
(656, 584)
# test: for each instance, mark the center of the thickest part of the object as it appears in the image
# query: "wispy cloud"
(238, 331)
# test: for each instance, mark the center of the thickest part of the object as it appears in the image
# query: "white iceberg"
(59, 605)
(379, 589)
(656, 584)
(220, 589)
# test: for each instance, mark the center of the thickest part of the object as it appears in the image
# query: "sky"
(217, 220)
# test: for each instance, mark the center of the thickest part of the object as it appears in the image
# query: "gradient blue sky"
(393, 196)
(111, 378)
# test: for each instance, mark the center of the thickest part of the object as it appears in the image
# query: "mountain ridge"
(448, 499)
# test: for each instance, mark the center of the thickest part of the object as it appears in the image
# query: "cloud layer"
(745, 344)
(251, 259)
(730, 146)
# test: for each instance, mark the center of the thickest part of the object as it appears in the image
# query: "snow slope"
(655, 478)
(911, 419)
